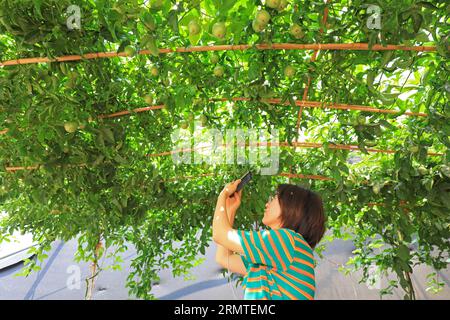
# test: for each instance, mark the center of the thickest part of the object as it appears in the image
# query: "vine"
(86, 116)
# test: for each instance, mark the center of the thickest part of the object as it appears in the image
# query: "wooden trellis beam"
(313, 58)
(328, 105)
(305, 92)
(257, 144)
(306, 104)
(125, 112)
(282, 174)
(295, 144)
(240, 47)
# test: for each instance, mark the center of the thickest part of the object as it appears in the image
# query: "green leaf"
(193, 39)
(109, 135)
(37, 7)
(123, 44)
(446, 170)
(120, 159)
(172, 20)
(387, 57)
(427, 5)
(428, 183)
(417, 21)
(152, 47)
(370, 78)
(403, 252)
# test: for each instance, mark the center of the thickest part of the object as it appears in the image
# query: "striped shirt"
(279, 263)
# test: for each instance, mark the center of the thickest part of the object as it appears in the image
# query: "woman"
(277, 263)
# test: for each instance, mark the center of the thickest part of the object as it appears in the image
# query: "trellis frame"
(274, 46)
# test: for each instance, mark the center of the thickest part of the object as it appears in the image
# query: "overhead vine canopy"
(88, 106)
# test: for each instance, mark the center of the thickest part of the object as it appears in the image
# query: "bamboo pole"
(305, 92)
(294, 144)
(12, 169)
(190, 177)
(289, 175)
(313, 58)
(286, 144)
(258, 144)
(282, 174)
(306, 104)
(327, 105)
(124, 112)
(21, 168)
(240, 47)
(304, 176)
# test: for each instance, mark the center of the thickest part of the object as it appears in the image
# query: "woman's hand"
(230, 188)
(233, 203)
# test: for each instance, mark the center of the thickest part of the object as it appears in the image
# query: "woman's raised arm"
(224, 257)
(223, 233)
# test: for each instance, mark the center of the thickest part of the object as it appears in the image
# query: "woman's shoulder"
(297, 236)
(291, 232)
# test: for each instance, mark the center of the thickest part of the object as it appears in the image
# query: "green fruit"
(184, 125)
(156, 4)
(118, 8)
(204, 120)
(148, 42)
(130, 51)
(148, 21)
(361, 119)
(283, 4)
(151, 46)
(194, 27)
(219, 29)
(73, 76)
(376, 188)
(446, 170)
(257, 26)
(154, 71)
(214, 58)
(71, 126)
(273, 3)
(63, 68)
(413, 149)
(370, 78)
(422, 170)
(146, 39)
(296, 31)
(370, 143)
(289, 71)
(191, 117)
(72, 80)
(218, 71)
(263, 17)
(148, 99)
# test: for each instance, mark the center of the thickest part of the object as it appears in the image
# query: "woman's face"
(272, 214)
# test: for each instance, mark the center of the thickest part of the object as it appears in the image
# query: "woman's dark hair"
(302, 211)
